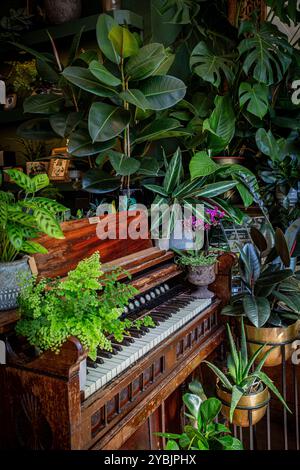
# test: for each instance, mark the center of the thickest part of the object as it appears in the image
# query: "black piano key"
(127, 340)
(117, 346)
(91, 363)
(99, 360)
(106, 354)
(145, 329)
(135, 333)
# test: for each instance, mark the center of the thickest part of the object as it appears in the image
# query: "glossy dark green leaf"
(106, 121)
(220, 125)
(64, 123)
(102, 74)
(146, 62)
(258, 239)
(193, 403)
(135, 97)
(85, 80)
(267, 144)
(99, 182)
(163, 92)
(255, 97)
(104, 25)
(202, 165)
(282, 247)
(36, 129)
(81, 145)
(123, 165)
(158, 129)
(123, 41)
(43, 104)
(209, 409)
(257, 309)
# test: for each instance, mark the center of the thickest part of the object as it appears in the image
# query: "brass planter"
(254, 405)
(284, 337)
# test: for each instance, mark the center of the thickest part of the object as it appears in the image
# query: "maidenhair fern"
(86, 304)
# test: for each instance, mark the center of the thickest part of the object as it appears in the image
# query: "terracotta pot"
(202, 276)
(256, 402)
(58, 11)
(258, 336)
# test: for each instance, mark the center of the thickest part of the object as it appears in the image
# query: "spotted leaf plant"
(24, 219)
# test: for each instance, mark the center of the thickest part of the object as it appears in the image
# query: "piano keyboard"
(170, 316)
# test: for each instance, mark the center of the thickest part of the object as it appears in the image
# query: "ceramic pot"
(202, 276)
(258, 336)
(58, 11)
(9, 277)
(255, 402)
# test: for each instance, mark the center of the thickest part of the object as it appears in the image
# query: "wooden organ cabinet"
(41, 404)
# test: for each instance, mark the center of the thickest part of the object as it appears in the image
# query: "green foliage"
(81, 305)
(195, 259)
(24, 219)
(271, 292)
(240, 380)
(203, 433)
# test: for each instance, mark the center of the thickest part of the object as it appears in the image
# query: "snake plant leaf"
(193, 403)
(236, 395)
(268, 382)
(251, 361)
(97, 181)
(282, 247)
(255, 97)
(47, 223)
(231, 367)
(106, 121)
(244, 350)
(146, 62)
(266, 54)
(32, 247)
(174, 172)
(81, 145)
(135, 97)
(15, 235)
(21, 179)
(84, 79)
(123, 41)
(220, 375)
(103, 75)
(163, 92)
(202, 165)
(257, 309)
(215, 189)
(122, 164)
(158, 129)
(258, 239)
(104, 25)
(233, 350)
(43, 104)
(210, 66)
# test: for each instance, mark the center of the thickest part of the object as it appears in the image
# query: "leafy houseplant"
(20, 222)
(240, 388)
(203, 433)
(53, 310)
(270, 299)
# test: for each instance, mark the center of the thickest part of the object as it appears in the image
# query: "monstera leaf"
(255, 97)
(210, 66)
(266, 54)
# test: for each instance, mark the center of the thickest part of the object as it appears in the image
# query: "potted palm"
(241, 390)
(270, 300)
(20, 222)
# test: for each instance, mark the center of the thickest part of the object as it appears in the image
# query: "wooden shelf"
(15, 115)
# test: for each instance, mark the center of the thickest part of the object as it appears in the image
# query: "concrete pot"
(9, 277)
(202, 276)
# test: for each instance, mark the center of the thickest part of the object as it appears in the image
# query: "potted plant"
(270, 300)
(22, 220)
(87, 304)
(240, 389)
(203, 432)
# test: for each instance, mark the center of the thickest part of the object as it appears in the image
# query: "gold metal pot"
(256, 402)
(272, 336)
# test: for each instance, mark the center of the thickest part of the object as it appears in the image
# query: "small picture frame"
(58, 169)
(59, 151)
(37, 168)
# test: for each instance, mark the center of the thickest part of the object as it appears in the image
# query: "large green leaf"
(266, 54)
(85, 80)
(220, 125)
(267, 144)
(146, 62)
(43, 104)
(158, 129)
(102, 74)
(150, 166)
(163, 92)
(49, 204)
(292, 301)
(123, 41)
(173, 172)
(255, 97)
(215, 189)
(193, 403)
(210, 409)
(15, 235)
(21, 179)
(210, 66)
(249, 264)
(202, 165)
(122, 164)
(98, 182)
(31, 248)
(39, 182)
(80, 144)
(104, 25)
(106, 121)
(47, 223)
(135, 97)
(64, 123)
(257, 309)
(282, 247)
